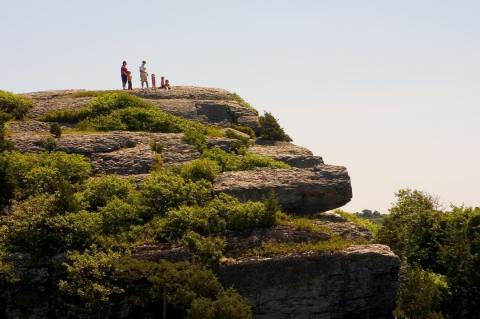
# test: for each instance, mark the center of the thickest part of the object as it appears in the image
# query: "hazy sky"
(389, 89)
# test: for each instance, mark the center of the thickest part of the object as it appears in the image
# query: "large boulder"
(359, 282)
(299, 191)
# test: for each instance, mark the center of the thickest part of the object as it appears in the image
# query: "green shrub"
(99, 190)
(109, 102)
(196, 137)
(214, 131)
(226, 161)
(118, 215)
(105, 285)
(164, 190)
(35, 173)
(55, 130)
(48, 143)
(244, 129)
(251, 160)
(205, 250)
(14, 104)
(229, 305)
(221, 214)
(102, 105)
(421, 294)
(271, 130)
(203, 220)
(24, 229)
(230, 162)
(36, 226)
(200, 169)
(75, 230)
(4, 143)
(67, 115)
(87, 287)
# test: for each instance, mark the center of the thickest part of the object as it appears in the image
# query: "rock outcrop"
(359, 282)
(300, 191)
(207, 105)
(286, 152)
(123, 153)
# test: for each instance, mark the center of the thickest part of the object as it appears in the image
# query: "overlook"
(99, 184)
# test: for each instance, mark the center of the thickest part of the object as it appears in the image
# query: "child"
(167, 84)
(129, 76)
(154, 81)
(162, 82)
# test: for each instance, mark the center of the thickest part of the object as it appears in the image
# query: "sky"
(389, 89)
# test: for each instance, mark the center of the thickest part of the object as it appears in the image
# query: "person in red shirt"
(124, 72)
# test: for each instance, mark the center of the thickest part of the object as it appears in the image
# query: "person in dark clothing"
(124, 72)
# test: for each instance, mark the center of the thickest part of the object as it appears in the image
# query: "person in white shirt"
(143, 74)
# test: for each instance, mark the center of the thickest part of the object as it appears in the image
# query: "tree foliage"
(441, 250)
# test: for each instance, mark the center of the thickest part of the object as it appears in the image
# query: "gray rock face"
(294, 155)
(122, 153)
(359, 282)
(299, 191)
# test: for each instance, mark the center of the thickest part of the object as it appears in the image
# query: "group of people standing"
(127, 77)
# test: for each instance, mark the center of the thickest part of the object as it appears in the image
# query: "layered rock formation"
(300, 191)
(358, 282)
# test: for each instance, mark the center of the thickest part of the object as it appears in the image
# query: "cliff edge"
(308, 264)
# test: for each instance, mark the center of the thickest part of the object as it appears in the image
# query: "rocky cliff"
(304, 280)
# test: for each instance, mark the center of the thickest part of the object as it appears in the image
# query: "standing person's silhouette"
(124, 72)
(143, 74)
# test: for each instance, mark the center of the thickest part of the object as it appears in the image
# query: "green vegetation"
(441, 251)
(67, 115)
(231, 162)
(164, 190)
(216, 217)
(58, 210)
(271, 130)
(4, 144)
(55, 130)
(244, 129)
(48, 143)
(420, 294)
(33, 174)
(200, 169)
(125, 287)
(14, 105)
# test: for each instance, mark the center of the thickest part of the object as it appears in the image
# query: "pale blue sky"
(389, 89)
